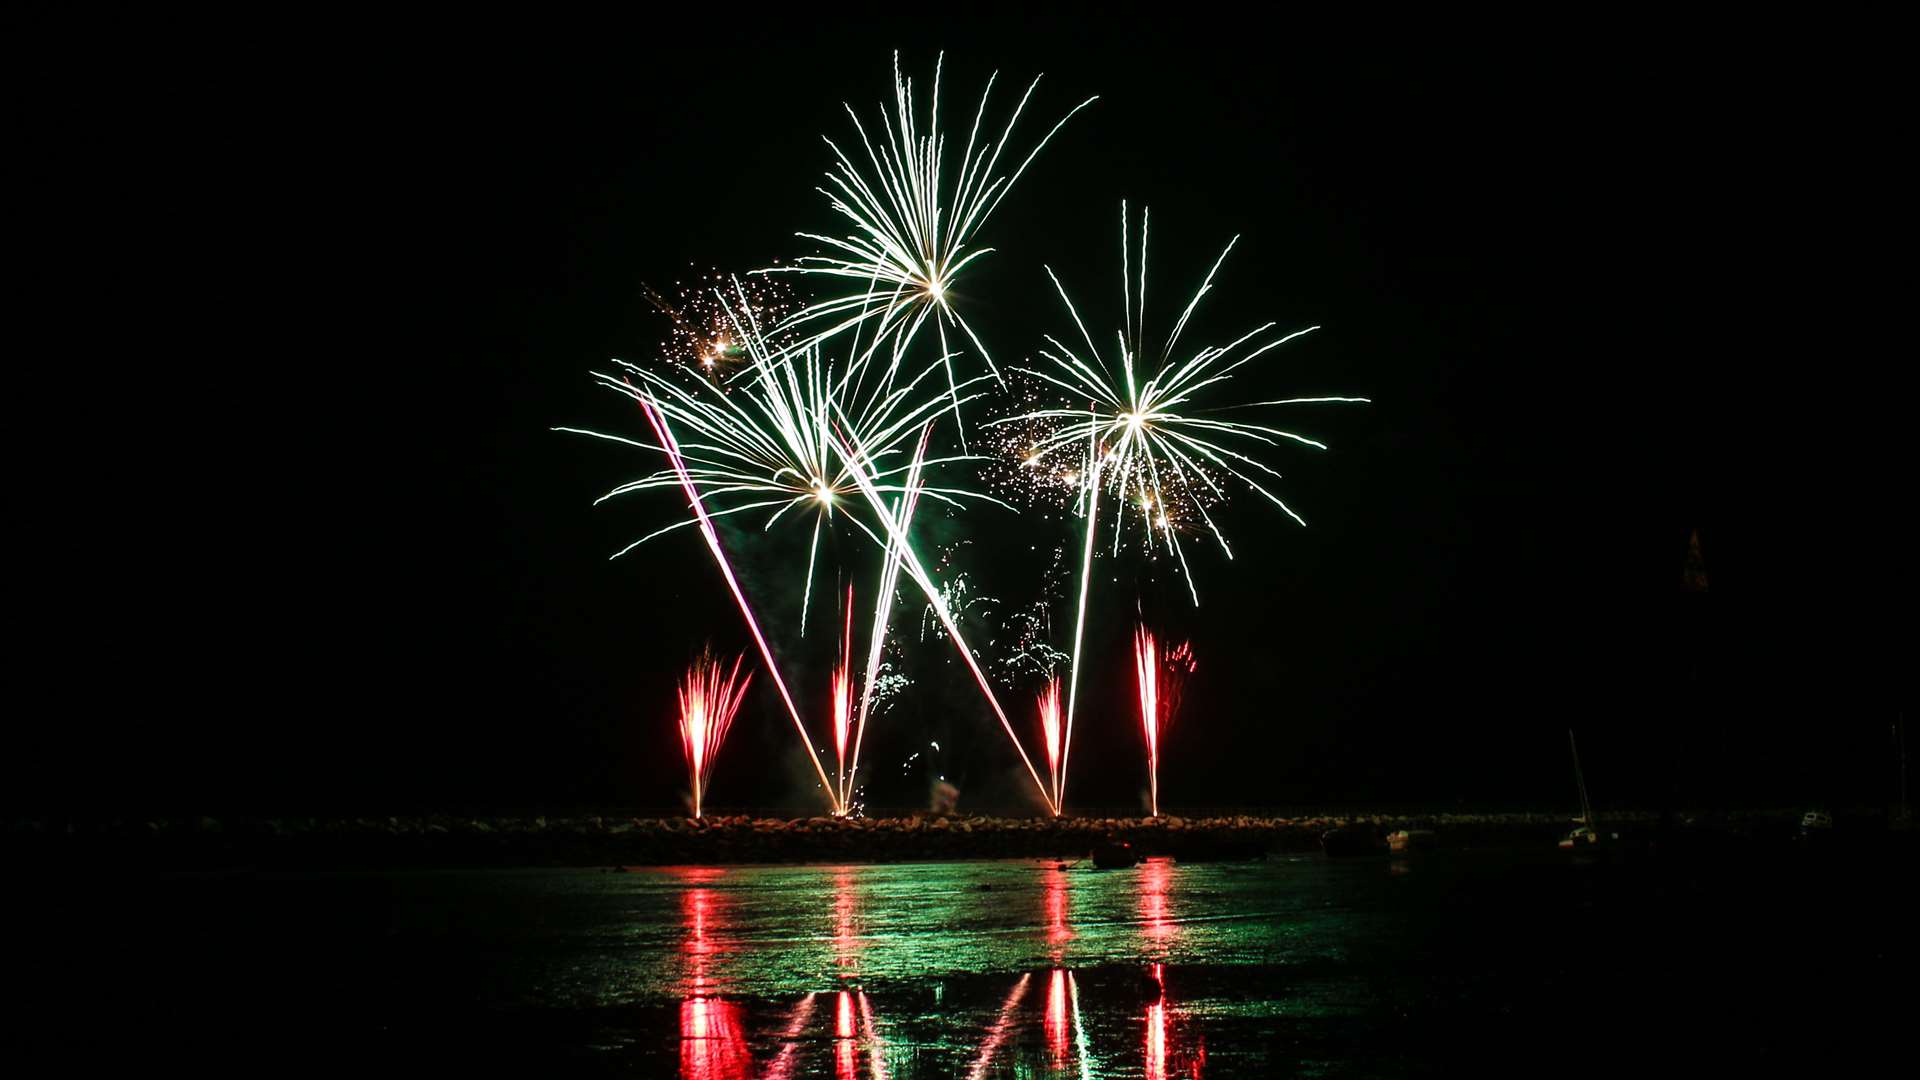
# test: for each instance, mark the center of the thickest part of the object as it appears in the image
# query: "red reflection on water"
(1157, 1040)
(703, 921)
(1058, 909)
(1156, 882)
(712, 1044)
(846, 920)
(1163, 1038)
(1058, 1030)
(844, 1047)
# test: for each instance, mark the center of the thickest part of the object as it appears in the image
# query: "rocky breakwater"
(605, 840)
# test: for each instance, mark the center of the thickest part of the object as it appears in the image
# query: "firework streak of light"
(709, 699)
(1080, 611)
(1161, 680)
(855, 458)
(1146, 666)
(883, 603)
(650, 408)
(761, 434)
(912, 234)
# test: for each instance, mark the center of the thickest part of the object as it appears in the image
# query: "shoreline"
(448, 841)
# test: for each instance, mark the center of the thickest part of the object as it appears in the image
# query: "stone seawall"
(453, 841)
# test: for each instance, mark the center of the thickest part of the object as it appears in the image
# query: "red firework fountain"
(843, 706)
(709, 699)
(1051, 735)
(1161, 679)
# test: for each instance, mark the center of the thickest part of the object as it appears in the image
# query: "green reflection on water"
(990, 968)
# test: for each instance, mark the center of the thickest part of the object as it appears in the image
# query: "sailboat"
(1583, 832)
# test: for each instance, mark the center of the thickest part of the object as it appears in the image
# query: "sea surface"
(1444, 963)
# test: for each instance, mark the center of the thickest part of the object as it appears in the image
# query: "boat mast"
(1586, 808)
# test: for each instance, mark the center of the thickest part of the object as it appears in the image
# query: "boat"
(1114, 855)
(1584, 834)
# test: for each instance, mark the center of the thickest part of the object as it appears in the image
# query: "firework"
(657, 421)
(1160, 679)
(1051, 733)
(843, 702)
(757, 440)
(914, 220)
(702, 339)
(1150, 439)
(903, 509)
(710, 696)
(852, 453)
(1146, 436)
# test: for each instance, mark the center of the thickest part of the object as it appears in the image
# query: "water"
(1493, 962)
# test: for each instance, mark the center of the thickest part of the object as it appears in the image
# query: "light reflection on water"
(1462, 961)
(1012, 926)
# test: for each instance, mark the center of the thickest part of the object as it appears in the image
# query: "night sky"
(293, 534)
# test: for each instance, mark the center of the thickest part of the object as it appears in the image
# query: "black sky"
(294, 533)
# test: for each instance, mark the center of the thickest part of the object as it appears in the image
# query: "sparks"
(1156, 444)
(1160, 680)
(758, 441)
(1051, 732)
(914, 222)
(855, 456)
(709, 698)
(843, 702)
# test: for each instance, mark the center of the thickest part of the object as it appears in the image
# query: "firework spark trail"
(883, 603)
(658, 422)
(1051, 732)
(709, 699)
(1155, 445)
(1146, 666)
(1160, 679)
(1086, 582)
(912, 232)
(856, 464)
(843, 701)
(761, 434)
